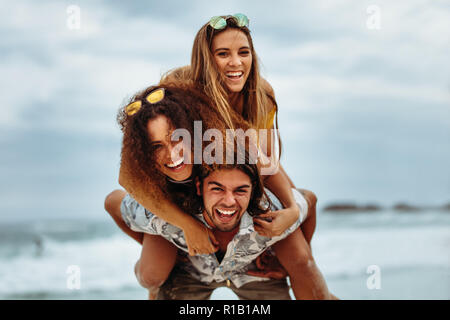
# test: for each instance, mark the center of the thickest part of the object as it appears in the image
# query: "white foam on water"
(104, 264)
(343, 247)
(350, 251)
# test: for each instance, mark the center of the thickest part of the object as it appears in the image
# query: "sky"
(363, 89)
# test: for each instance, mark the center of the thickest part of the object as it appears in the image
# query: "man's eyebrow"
(244, 186)
(216, 183)
(220, 185)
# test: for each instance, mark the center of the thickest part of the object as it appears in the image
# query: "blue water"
(411, 251)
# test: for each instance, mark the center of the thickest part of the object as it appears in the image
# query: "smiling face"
(233, 56)
(159, 131)
(226, 196)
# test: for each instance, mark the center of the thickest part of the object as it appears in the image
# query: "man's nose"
(229, 199)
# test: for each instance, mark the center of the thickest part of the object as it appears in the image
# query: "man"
(227, 197)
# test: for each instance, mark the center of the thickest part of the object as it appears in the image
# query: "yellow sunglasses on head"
(153, 97)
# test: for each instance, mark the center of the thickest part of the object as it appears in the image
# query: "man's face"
(226, 195)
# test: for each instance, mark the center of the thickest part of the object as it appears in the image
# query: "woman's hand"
(274, 223)
(200, 239)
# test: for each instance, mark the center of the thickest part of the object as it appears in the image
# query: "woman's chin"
(180, 174)
(235, 88)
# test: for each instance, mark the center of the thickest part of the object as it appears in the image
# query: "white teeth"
(234, 74)
(175, 164)
(227, 213)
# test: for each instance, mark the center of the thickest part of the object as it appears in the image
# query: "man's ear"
(198, 186)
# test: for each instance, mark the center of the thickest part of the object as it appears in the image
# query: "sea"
(363, 255)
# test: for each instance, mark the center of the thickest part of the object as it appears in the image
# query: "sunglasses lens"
(217, 22)
(241, 19)
(134, 107)
(155, 96)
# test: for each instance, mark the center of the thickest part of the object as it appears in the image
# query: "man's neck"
(224, 237)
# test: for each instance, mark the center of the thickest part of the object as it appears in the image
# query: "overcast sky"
(363, 89)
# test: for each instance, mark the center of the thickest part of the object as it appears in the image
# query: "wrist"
(188, 223)
(294, 212)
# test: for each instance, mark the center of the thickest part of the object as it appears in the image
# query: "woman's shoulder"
(267, 88)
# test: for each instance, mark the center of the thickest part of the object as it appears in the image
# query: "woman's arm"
(278, 183)
(279, 220)
(198, 236)
(281, 186)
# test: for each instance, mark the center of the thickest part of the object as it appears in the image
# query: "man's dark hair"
(187, 199)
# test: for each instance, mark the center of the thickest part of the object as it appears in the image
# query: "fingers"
(211, 248)
(267, 274)
(266, 259)
(258, 263)
(205, 243)
(259, 223)
(269, 216)
(264, 231)
(278, 275)
(256, 273)
(212, 237)
(261, 231)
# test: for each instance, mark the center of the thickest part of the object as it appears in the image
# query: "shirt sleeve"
(140, 219)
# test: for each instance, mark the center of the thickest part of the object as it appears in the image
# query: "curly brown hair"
(182, 106)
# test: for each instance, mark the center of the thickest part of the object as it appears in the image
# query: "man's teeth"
(235, 74)
(175, 164)
(226, 212)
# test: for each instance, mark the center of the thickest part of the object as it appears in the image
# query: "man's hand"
(268, 267)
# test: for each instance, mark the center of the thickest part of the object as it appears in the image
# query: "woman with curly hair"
(146, 158)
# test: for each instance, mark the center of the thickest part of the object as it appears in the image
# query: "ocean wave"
(106, 262)
(348, 251)
(103, 264)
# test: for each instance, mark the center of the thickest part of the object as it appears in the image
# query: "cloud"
(346, 94)
(80, 74)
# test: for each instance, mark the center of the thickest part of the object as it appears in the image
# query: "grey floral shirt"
(241, 252)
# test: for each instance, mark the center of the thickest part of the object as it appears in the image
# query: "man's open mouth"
(225, 215)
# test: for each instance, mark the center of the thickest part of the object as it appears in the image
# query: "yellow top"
(271, 118)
